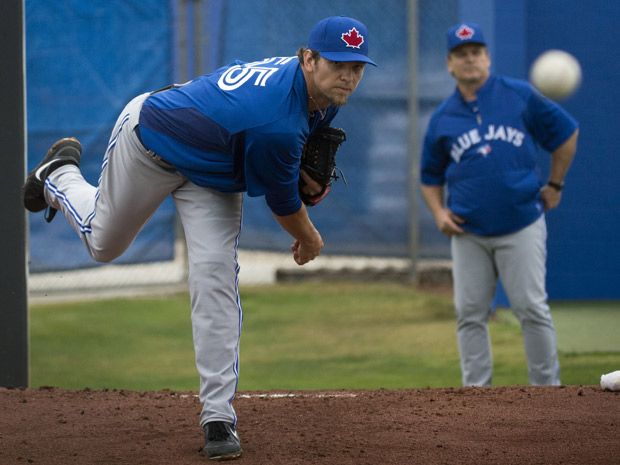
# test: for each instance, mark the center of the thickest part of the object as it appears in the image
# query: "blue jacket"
(486, 153)
(241, 128)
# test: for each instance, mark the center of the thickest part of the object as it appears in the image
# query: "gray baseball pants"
(518, 259)
(108, 217)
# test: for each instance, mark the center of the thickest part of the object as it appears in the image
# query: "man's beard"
(335, 100)
(338, 100)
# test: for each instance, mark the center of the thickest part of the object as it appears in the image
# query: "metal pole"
(413, 142)
(13, 272)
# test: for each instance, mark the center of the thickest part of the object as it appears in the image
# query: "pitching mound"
(515, 425)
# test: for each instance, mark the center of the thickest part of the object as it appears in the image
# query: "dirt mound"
(507, 425)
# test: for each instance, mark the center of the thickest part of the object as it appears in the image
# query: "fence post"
(13, 289)
(413, 142)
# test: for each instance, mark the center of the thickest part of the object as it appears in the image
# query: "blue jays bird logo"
(484, 150)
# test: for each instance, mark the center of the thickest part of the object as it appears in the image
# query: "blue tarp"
(83, 64)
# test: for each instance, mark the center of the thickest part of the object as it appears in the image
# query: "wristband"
(557, 186)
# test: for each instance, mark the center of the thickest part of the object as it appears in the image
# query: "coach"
(482, 144)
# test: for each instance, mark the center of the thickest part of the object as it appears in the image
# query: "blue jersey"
(241, 128)
(486, 151)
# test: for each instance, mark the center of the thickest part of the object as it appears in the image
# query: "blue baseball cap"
(339, 38)
(464, 33)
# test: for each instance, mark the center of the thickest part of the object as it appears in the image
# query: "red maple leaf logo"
(464, 32)
(352, 38)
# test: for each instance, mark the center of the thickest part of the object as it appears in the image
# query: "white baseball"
(556, 74)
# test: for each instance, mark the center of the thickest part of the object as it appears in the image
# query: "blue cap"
(464, 33)
(339, 38)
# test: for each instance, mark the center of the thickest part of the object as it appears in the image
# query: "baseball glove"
(318, 160)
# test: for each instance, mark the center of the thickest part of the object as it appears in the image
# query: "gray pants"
(519, 260)
(108, 217)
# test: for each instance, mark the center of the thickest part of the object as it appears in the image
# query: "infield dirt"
(507, 425)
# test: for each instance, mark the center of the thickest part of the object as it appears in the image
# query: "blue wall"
(583, 244)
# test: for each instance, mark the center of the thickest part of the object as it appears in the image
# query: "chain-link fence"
(366, 217)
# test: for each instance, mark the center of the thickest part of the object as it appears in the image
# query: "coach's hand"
(448, 223)
(550, 197)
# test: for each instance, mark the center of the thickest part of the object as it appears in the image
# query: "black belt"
(168, 87)
(137, 131)
(152, 155)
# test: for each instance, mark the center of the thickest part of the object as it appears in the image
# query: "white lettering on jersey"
(518, 139)
(507, 134)
(474, 136)
(465, 141)
(236, 76)
(512, 133)
(471, 138)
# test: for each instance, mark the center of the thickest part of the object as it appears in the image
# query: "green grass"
(299, 336)
(591, 327)
(133, 344)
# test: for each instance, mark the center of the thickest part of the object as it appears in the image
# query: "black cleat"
(221, 441)
(66, 151)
